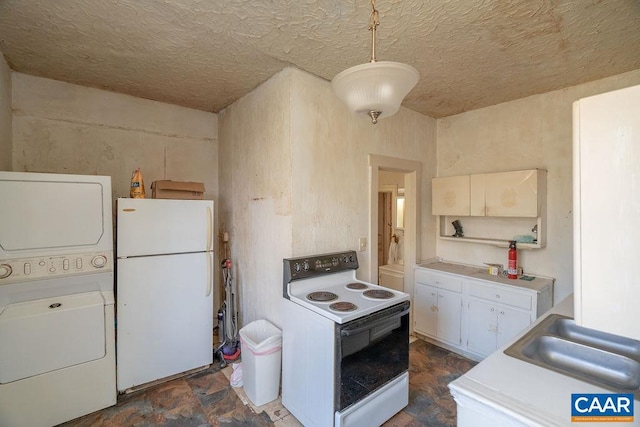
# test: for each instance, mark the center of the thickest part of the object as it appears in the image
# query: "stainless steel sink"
(606, 360)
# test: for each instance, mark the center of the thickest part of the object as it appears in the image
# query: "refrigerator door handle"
(209, 228)
(209, 274)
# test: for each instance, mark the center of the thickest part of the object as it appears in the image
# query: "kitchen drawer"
(442, 281)
(500, 295)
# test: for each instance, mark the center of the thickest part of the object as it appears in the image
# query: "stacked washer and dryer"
(57, 344)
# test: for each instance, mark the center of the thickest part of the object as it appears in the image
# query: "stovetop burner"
(322, 296)
(343, 306)
(378, 294)
(318, 282)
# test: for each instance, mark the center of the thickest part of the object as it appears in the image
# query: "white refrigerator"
(164, 289)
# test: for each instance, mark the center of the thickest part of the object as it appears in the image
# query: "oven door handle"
(348, 332)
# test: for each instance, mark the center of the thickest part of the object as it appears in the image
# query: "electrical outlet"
(362, 244)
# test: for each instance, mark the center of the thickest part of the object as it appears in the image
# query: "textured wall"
(391, 178)
(533, 132)
(65, 128)
(331, 173)
(255, 189)
(5, 115)
(294, 179)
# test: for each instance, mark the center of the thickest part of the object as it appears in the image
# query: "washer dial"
(5, 271)
(99, 261)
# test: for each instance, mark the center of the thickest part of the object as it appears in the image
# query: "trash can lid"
(261, 334)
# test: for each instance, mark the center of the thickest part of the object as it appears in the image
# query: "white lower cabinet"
(491, 325)
(471, 312)
(438, 313)
(425, 309)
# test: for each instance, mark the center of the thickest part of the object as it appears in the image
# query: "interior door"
(165, 316)
(385, 223)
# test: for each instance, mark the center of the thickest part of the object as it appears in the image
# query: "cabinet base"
(453, 349)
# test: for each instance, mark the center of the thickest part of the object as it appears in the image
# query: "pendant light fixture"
(376, 89)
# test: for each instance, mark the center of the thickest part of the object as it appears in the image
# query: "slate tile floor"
(206, 398)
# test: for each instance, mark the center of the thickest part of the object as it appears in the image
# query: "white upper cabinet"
(515, 200)
(606, 211)
(477, 202)
(514, 194)
(450, 195)
(504, 194)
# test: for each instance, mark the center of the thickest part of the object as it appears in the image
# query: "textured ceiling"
(206, 54)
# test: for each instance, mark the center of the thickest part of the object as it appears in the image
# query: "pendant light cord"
(373, 24)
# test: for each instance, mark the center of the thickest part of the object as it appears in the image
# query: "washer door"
(49, 334)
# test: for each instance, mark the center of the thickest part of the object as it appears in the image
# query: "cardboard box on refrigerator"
(167, 189)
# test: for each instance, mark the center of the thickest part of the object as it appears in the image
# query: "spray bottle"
(512, 270)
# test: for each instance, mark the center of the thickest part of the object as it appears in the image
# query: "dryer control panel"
(26, 269)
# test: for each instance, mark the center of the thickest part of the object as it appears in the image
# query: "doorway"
(391, 187)
(410, 171)
(387, 195)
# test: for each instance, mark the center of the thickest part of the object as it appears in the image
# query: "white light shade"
(375, 86)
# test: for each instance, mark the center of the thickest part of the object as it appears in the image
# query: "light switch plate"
(362, 244)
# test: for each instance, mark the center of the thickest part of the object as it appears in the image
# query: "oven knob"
(305, 266)
(351, 258)
(5, 271)
(99, 261)
(296, 267)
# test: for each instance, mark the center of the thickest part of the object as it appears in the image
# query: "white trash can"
(261, 361)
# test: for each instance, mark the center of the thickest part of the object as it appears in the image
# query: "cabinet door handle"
(502, 312)
(497, 295)
(493, 309)
(434, 308)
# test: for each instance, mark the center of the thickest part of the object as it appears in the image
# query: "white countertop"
(537, 284)
(525, 392)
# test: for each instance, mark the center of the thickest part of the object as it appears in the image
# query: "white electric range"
(345, 344)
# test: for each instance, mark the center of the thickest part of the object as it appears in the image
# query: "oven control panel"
(317, 265)
(24, 269)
